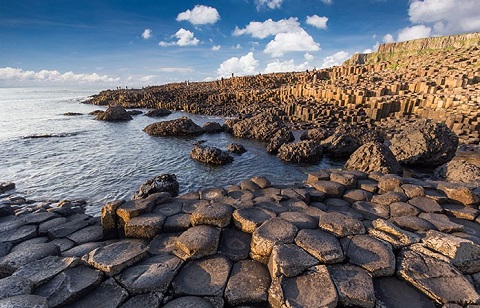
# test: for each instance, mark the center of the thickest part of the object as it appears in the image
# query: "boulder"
(114, 114)
(262, 126)
(458, 171)
(314, 134)
(162, 183)
(6, 186)
(301, 152)
(156, 113)
(178, 127)
(212, 128)
(134, 112)
(348, 138)
(424, 143)
(374, 157)
(236, 148)
(210, 155)
(280, 138)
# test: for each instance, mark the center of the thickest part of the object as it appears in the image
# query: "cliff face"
(393, 51)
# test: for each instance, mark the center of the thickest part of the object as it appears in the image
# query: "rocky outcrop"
(315, 134)
(348, 138)
(458, 171)
(114, 114)
(178, 127)
(424, 143)
(210, 155)
(157, 113)
(374, 156)
(301, 152)
(162, 183)
(262, 127)
(280, 138)
(212, 128)
(236, 148)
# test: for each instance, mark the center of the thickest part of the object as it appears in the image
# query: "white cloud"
(327, 2)
(147, 33)
(388, 38)
(446, 16)
(216, 47)
(18, 74)
(246, 65)
(182, 70)
(272, 4)
(269, 27)
(185, 38)
(308, 57)
(147, 78)
(200, 15)
(285, 66)
(335, 59)
(290, 42)
(412, 33)
(317, 21)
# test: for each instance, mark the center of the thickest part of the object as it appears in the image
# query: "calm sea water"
(100, 161)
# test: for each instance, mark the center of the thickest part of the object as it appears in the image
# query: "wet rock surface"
(178, 127)
(114, 114)
(345, 238)
(210, 155)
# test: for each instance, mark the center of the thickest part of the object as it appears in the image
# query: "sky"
(136, 43)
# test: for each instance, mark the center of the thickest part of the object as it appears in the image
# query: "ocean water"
(100, 161)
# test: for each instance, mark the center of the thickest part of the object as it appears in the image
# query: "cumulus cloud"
(269, 27)
(308, 57)
(388, 38)
(327, 2)
(317, 21)
(216, 47)
(147, 33)
(335, 59)
(272, 4)
(290, 42)
(446, 16)
(200, 15)
(246, 65)
(182, 70)
(18, 74)
(185, 38)
(285, 66)
(415, 32)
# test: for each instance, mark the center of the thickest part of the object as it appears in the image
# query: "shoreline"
(275, 236)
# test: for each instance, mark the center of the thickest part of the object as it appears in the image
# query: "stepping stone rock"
(19, 235)
(387, 231)
(168, 209)
(142, 300)
(426, 204)
(108, 295)
(394, 293)
(109, 219)
(461, 211)
(40, 271)
(435, 278)
(205, 277)
(372, 210)
(144, 226)
(114, 258)
(212, 193)
(38, 218)
(249, 185)
(151, 275)
(322, 245)
(341, 225)
(215, 214)
(10, 223)
(289, 260)
(354, 285)
(271, 232)
(5, 248)
(80, 250)
(398, 209)
(177, 223)
(248, 219)
(189, 302)
(70, 285)
(331, 189)
(12, 286)
(248, 284)
(50, 224)
(371, 254)
(67, 228)
(389, 197)
(87, 234)
(442, 222)
(235, 244)
(197, 242)
(312, 289)
(300, 220)
(24, 301)
(459, 193)
(162, 243)
(18, 258)
(389, 182)
(261, 181)
(347, 180)
(63, 243)
(352, 196)
(413, 223)
(465, 254)
(412, 191)
(134, 208)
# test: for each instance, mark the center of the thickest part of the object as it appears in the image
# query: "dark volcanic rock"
(210, 155)
(162, 183)
(425, 143)
(134, 112)
(156, 113)
(314, 134)
(301, 152)
(178, 127)
(282, 137)
(248, 284)
(262, 126)
(212, 127)
(374, 157)
(114, 114)
(347, 139)
(458, 171)
(236, 148)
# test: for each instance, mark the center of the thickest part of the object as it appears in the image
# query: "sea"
(51, 156)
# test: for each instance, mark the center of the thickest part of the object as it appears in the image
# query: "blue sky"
(137, 43)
